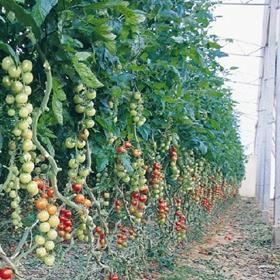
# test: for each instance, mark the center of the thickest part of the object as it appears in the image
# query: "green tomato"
(40, 240)
(7, 62)
(72, 163)
(26, 66)
(81, 144)
(49, 260)
(80, 109)
(136, 119)
(70, 143)
(23, 125)
(79, 88)
(90, 112)
(12, 194)
(84, 172)
(89, 123)
(43, 216)
(49, 245)
(11, 112)
(137, 95)
(41, 252)
(14, 204)
(16, 132)
(21, 98)
(27, 78)
(81, 158)
(72, 173)
(32, 188)
(52, 234)
(12, 145)
(27, 134)
(23, 112)
(28, 167)
(29, 107)
(133, 106)
(80, 180)
(27, 90)
(29, 120)
(6, 82)
(27, 145)
(133, 113)
(91, 94)
(78, 99)
(14, 72)
(25, 178)
(16, 87)
(44, 227)
(10, 99)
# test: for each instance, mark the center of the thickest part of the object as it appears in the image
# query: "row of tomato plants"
(119, 168)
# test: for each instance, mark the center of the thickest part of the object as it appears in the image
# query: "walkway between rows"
(237, 247)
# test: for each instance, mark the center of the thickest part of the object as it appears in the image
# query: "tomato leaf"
(22, 15)
(7, 49)
(86, 75)
(41, 9)
(57, 98)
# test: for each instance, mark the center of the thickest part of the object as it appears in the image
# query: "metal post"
(276, 220)
(269, 101)
(260, 129)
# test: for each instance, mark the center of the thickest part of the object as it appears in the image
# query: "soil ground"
(237, 247)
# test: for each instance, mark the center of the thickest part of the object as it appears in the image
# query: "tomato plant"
(117, 136)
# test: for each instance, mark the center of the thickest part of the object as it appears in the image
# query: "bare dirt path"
(238, 247)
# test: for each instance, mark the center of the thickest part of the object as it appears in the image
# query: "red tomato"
(50, 192)
(120, 150)
(6, 273)
(77, 187)
(40, 183)
(127, 144)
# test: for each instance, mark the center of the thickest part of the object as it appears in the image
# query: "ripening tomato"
(40, 183)
(87, 203)
(41, 203)
(120, 150)
(127, 144)
(6, 273)
(136, 153)
(79, 199)
(52, 209)
(50, 192)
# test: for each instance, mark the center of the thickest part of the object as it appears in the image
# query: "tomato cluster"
(118, 206)
(123, 234)
(162, 210)
(138, 203)
(65, 224)
(207, 205)
(136, 109)
(48, 221)
(180, 225)
(157, 180)
(100, 233)
(175, 173)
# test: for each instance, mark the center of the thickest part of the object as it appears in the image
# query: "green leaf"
(41, 9)
(57, 98)
(58, 90)
(22, 15)
(49, 145)
(9, 50)
(86, 75)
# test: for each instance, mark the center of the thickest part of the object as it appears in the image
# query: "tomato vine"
(129, 140)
